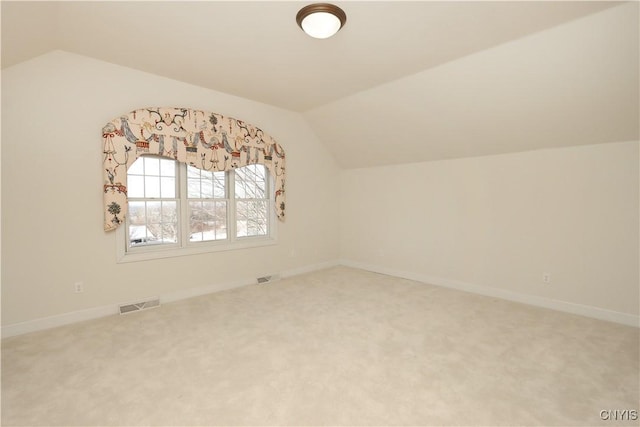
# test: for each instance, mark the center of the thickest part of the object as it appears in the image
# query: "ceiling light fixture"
(321, 20)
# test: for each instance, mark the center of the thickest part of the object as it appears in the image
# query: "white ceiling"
(444, 79)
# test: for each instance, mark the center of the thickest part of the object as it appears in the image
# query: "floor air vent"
(137, 306)
(268, 279)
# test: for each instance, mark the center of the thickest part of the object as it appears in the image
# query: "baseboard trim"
(108, 310)
(309, 268)
(204, 290)
(567, 307)
(43, 323)
(57, 320)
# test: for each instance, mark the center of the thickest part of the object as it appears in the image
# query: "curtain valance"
(201, 139)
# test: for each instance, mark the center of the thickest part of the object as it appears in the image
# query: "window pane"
(258, 221)
(250, 182)
(251, 218)
(241, 183)
(144, 180)
(168, 187)
(154, 212)
(241, 192)
(252, 215)
(206, 188)
(219, 185)
(139, 234)
(153, 223)
(162, 221)
(207, 220)
(135, 186)
(137, 214)
(169, 212)
(260, 190)
(137, 167)
(151, 166)
(193, 188)
(169, 233)
(152, 186)
(205, 184)
(217, 181)
(168, 167)
(193, 172)
(220, 215)
(195, 221)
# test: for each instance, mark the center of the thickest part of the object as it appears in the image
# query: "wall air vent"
(268, 279)
(137, 306)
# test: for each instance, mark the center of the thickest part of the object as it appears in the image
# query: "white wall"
(53, 110)
(489, 224)
(495, 224)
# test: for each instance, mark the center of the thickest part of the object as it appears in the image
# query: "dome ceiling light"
(321, 20)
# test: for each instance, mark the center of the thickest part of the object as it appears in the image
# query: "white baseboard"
(204, 290)
(57, 320)
(567, 307)
(309, 268)
(108, 310)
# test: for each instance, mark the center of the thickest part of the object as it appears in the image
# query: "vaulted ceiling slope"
(255, 49)
(575, 84)
(435, 79)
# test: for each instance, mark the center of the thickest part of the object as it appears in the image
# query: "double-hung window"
(176, 209)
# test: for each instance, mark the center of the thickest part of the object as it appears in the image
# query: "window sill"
(125, 257)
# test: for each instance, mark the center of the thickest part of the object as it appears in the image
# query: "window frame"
(184, 245)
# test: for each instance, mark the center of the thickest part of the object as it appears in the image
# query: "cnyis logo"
(619, 415)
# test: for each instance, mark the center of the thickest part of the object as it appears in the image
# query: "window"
(177, 209)
(207, 195)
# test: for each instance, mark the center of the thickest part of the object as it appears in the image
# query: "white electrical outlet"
(546, 278)
(78, 287)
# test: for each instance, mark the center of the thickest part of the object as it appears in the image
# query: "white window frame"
(184, 246)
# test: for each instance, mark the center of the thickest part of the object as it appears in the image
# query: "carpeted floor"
(334, 347)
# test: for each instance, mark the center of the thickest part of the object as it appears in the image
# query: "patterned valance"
(201, 139)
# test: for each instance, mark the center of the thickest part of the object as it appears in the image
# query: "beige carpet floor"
(334, 347)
